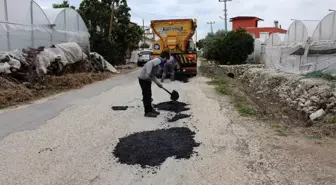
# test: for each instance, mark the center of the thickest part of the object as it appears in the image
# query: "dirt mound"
(152, 148)
(12, 92)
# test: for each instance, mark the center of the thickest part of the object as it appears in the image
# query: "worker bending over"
(147, 75)
(169, 67)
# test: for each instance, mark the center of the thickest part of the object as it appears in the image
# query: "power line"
(211, 23)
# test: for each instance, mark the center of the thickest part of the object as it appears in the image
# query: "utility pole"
(211, 23)
(111, 19)
(225, 13)
(144, 34)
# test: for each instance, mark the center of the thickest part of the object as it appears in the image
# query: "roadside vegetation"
(225, 86)
(320, 74)
(227, 48)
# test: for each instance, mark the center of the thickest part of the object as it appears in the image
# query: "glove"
(159, 84)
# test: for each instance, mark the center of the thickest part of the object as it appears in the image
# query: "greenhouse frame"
(23, 24)
(307, 47)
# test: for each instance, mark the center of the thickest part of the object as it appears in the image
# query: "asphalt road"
(31, 116)
(70, 139)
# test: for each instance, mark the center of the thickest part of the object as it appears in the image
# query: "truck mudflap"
(187, 71)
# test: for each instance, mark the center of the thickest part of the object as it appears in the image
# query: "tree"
(65, 4)
(125, 35)
(200, 43)
(144, 45)
(228, 48)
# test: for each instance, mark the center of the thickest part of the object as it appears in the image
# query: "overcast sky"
(210, 10)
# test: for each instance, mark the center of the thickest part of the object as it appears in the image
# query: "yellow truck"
(175, 36)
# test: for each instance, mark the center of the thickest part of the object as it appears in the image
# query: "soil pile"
(152, 148)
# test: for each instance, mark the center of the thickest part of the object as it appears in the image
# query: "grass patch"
(218, 81)
(245, 109)
(281, 130)
(225, 86)
(320, 74)
(221, 85)
(330, 119)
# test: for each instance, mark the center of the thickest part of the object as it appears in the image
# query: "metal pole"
(144, 34)
(32, 23)
(225, 15)
(211, 23)
(7, 27)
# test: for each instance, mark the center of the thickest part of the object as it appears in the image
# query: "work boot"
(150, 115)
(156, 112)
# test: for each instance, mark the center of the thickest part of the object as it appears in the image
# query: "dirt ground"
(76, 147)
(12, 94)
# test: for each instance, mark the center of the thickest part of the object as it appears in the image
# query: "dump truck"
(175, 36)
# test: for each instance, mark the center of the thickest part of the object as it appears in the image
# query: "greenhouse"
(306, 47)
(27, 25)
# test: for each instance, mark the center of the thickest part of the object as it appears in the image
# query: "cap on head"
(165, 55)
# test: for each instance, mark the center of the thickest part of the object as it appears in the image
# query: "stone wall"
(314, 97)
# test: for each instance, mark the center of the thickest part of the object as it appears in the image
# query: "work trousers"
(146, 87)
(168, 68)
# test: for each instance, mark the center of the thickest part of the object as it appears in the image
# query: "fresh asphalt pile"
(178, 116)
(172, 106)
(152, 148)
(176, 107)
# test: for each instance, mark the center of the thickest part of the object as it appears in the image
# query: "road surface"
(70, 140)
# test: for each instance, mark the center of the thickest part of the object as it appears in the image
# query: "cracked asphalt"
(69, 139)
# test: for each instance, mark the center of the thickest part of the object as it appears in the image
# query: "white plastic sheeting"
(256, 55)
(304, 50)
(24, 24)
(297, 32)
(105, 63)
(326, 29)
(67, 53)
(69, 27)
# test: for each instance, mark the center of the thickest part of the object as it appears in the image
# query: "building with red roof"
(250, 23)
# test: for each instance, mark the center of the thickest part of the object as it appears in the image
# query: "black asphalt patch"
(119, 107)
(172, 106)
(152, 148)
(178, 117)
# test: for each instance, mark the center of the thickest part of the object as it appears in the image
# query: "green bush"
(228, 48)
